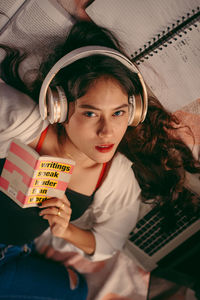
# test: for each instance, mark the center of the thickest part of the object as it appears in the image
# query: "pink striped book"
(28, 178)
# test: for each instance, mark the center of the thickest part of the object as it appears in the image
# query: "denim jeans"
(27, 276)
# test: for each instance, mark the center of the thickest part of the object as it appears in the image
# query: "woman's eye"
(119, 113)
(89, 114)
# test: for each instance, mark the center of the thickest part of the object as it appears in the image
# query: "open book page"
(36, 23)
(173, 72)
(7, 10)
(138, 22)
(36, 27)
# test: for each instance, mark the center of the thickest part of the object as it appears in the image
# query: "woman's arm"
(83, 239)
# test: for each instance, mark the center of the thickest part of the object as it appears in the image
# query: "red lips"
(104, 148)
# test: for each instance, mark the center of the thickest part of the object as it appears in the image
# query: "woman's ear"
(71, 110)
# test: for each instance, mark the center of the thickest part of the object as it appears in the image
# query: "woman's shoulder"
(19, 117)
(13, 101)
(120, 162)
(7, 90)
(120, 188)
(118, 169)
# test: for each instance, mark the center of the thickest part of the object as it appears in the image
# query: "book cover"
(28, 178)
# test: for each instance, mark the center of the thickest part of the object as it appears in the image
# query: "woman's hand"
(80, 9)
(76, 8)
(58, 213)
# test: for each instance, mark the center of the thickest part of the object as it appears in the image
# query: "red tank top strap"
(41, 140)
(101, 175)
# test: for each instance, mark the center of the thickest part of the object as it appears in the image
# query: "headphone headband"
(83, 52)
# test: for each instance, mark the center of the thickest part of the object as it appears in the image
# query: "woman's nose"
(105, 128)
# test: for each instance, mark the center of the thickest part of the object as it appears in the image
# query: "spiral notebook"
(163, 39)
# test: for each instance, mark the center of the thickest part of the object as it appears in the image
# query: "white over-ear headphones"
(53, 102)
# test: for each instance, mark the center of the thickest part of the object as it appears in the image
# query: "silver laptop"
(148, 244)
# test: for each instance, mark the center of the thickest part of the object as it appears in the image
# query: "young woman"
(102, 200)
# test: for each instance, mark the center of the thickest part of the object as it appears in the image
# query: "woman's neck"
(69, 150)
(63, 147)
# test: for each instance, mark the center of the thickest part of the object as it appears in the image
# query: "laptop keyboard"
(149, 236)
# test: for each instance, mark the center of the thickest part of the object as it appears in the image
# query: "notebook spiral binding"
(177, 29)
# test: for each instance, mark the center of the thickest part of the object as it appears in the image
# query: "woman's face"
(98, 121)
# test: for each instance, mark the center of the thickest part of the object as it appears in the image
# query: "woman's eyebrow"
(88, 106)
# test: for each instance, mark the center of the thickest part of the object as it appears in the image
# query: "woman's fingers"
(57, 220)
(58, 213)
(57, 224)
(55, 211)
(56, 207)
(62, 221)
(62, 203)
(77, 8)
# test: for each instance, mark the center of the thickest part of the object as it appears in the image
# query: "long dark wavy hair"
(160, 158)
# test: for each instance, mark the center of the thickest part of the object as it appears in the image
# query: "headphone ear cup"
(56, 105)
(135, 110)
(51, 106)
(63, 104)
(131, 108)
